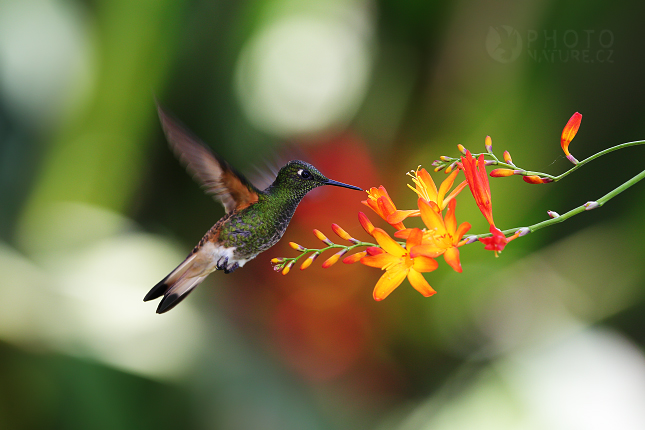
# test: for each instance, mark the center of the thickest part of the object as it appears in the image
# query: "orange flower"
(380, 202)
(479, 186)
(442, 235)
(497, 241)
(398, 263)
(427, 190)
(477, 179)
(569, 133)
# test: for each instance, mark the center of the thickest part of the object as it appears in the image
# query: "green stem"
(597, 155)
(305, 251)
(587, 206)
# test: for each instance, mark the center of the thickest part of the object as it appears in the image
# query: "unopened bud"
(591, 205)
(309, 260)
(341, 233)
(461, 148)
(507, 158)
(365, 223)
(320, 236)
(288, 267)
(333, 259)
(553, 214)
(534, 179)
(354, 258)
(501, 173)
(488, 143)
(449, 169)
(297, 247)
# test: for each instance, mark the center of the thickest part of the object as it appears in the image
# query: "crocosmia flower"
(497, 241)
(380, 202)
(398, 264)
(442, 236)
(569, 133)
(427, 190)
(477, 178)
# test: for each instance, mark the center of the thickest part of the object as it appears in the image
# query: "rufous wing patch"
(215, 175)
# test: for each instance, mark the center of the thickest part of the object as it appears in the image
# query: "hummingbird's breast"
(255, 228)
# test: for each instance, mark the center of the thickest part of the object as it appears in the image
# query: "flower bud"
(365, 223)
(501, 173)
(534, 179)
(569, 133)
(287, 267)
(297, 247)
(488, 143)
(333, 259)
(309, 260)
(591, 205)
(320, 236)
(354, 258)
(341, 233)
(461, 148)
(507, 158)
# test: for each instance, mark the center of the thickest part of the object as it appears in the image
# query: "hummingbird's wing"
(215, 175)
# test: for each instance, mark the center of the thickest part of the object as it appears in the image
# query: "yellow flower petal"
(380, 260)
(450, 220)
(414, 239)
(431, 251)
(388, 244)
(425, 184)
(452, 258)
(388, 283)
(420, 284)
(463, 229)
(445, 186)
(425, 264)
(403, 234)
(400, 216)
(454, 193)
(431, 218)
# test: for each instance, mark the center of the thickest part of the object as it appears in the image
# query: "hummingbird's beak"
(340, 184)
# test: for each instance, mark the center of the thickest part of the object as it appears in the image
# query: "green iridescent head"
(303, 177)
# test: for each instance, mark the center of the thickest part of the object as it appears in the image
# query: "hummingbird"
(254, 221)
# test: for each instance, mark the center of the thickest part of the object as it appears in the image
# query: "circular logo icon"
(503, 43)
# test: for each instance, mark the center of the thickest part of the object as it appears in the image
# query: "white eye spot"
(304, 174)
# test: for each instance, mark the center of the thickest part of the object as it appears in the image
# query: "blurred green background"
(94, 210)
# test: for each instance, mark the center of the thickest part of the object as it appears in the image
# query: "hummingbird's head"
(303, 177)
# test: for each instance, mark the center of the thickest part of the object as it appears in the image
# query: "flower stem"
(347, 248)
(598, 155)
(585, 207)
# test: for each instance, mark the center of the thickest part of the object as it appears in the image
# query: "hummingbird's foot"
(228, 270)
(222, 263)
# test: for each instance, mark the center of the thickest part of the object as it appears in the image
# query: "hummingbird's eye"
(304, 174)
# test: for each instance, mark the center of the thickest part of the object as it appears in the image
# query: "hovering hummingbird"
(254, 221)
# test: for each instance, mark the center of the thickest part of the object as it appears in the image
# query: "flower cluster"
(440, 234)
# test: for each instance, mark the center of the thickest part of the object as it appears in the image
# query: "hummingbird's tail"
(176, 286)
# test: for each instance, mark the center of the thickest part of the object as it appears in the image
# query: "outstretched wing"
(215, 175)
